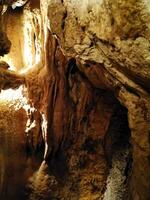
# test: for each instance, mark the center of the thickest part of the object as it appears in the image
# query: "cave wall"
(72, 113)
(4, 42)
(26, 43)
(13, 62)
(114, 34)
(12, 23)
(110, 42)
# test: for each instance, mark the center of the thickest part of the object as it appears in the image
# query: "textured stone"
(115, 36)
(9, 79)
(85, 47)
(4, 42)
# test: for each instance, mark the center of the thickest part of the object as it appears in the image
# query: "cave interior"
(70, 128)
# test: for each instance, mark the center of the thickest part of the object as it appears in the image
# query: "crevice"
(119, 156)
(64, 20)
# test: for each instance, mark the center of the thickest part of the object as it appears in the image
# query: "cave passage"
(16, 165)
(24, 174)
(77, 122)
(118, 149)
(72, 113)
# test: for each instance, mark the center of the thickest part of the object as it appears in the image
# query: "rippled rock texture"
(80, 57)
(111, 41)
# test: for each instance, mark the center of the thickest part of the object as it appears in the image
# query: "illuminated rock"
(78, 56)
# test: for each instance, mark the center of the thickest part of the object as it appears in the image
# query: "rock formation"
(4, 42)
(114, 35)
(9, 79)
(90, 61)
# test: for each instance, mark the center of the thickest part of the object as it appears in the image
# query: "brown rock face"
(4, 42)
(9, 79)
(115, 36)
(85, 56)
